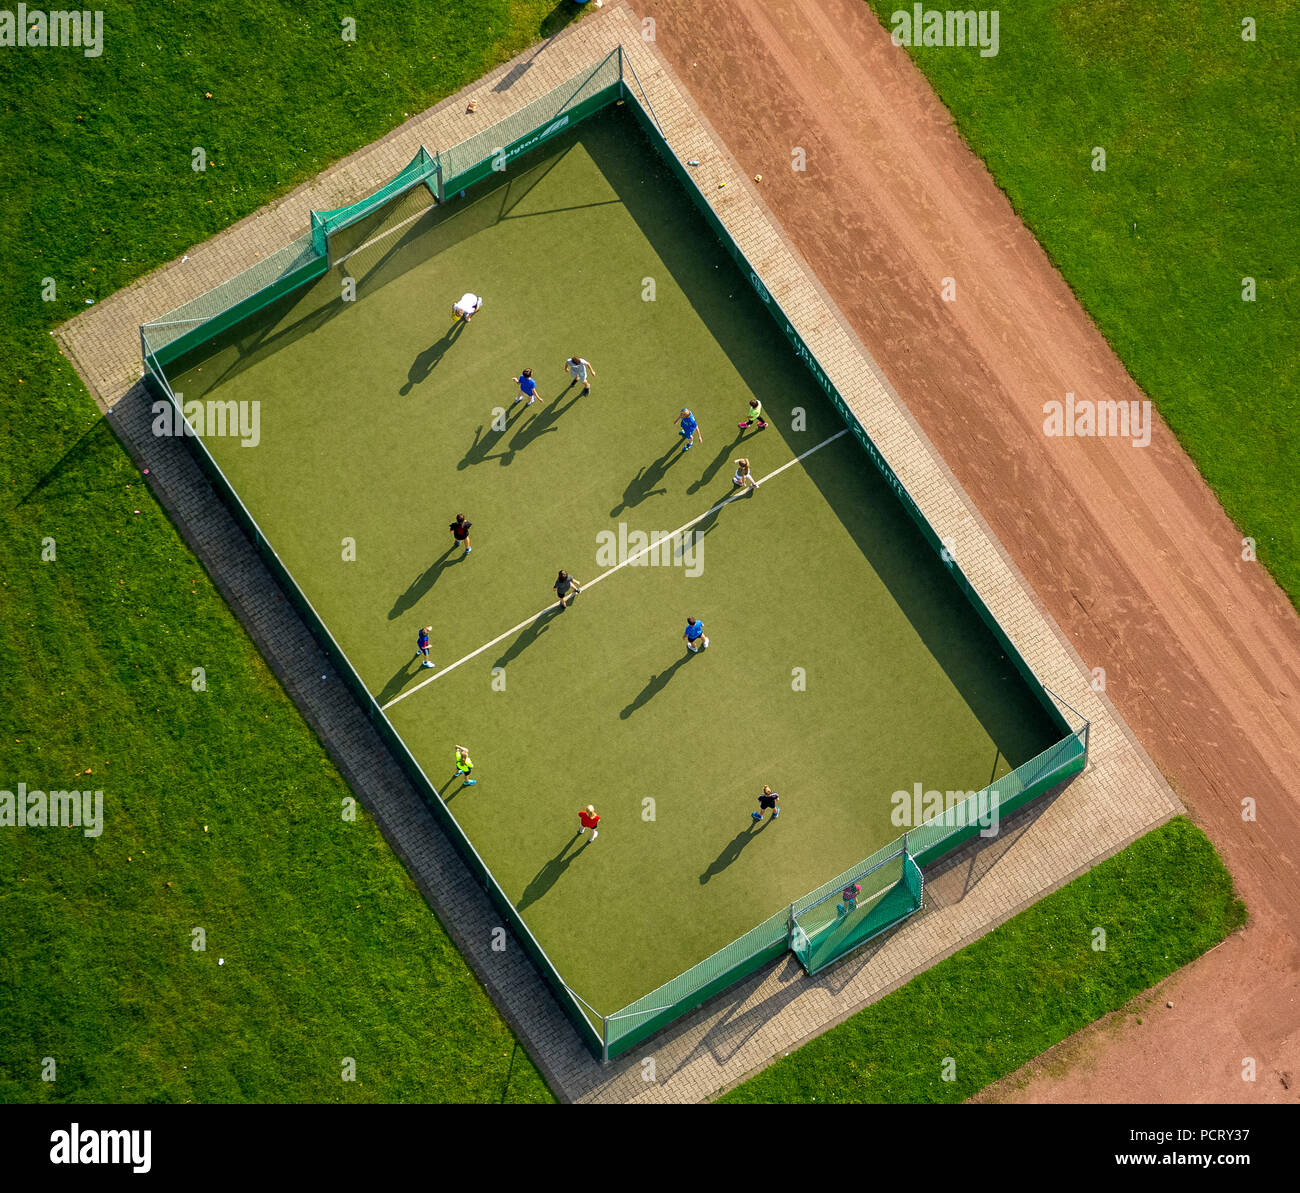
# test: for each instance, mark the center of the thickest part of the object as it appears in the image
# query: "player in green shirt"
(755, 416)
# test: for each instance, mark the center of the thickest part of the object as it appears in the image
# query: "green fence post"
(604, 1039)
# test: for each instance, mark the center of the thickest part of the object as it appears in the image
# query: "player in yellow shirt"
(755, 416)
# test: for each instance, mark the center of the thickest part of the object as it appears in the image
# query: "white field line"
(606, 574)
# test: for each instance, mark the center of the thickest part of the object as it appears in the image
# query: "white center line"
(617, 567)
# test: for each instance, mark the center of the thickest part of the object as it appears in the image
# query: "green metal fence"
(422, 171)
(534, 124)
(820, 927)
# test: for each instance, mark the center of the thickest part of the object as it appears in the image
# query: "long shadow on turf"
(654, 687)
(948, 626)
(477, 452)
(528, 636)
(646, 483)
(550, 873)
(421, 584)
(732, 850)
(400, 678)
(431, 357)
(542, 423)
(715, 465)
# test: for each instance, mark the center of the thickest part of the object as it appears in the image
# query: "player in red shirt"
(588, 819)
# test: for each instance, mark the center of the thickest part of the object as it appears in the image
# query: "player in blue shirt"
(689, 429)
(422, 646)
(527, 387)
(695, 639)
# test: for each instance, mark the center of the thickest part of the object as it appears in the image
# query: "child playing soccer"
(466, 308)
(743, 479)
(587, 819)
(460, 533)
(695, 635)
(527, 387)
(755, 416)
(580, 370)
(563, 584)
(768, 800)
(465, 765)
(689, 430)
(422, 646)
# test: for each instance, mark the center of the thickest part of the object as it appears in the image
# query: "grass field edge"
(295, 694)
(1240, 914)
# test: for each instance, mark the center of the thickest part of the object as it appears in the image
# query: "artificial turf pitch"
(844, 663)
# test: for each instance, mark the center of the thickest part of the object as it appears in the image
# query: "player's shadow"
(527, 636)
(401, 677)
(428, 360)
(715, 465)
(478, 453)
(542, 423)
(730, 852)
(646, 482)
(447, 792)
(654, 687)
(708, 523)
(550, 873)
(421, 585)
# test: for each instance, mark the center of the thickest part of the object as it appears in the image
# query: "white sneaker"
(531, 401)
(706, 642)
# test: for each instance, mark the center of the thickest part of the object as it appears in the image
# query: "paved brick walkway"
(1120, 796)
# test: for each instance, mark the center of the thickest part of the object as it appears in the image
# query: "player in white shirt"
(744, 479)
(466, 308)
(580, 370)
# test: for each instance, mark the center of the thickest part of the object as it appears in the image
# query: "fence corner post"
(604, 1039)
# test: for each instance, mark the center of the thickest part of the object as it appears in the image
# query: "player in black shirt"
(460, 532)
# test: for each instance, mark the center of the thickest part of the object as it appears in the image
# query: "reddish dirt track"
(1126, 546)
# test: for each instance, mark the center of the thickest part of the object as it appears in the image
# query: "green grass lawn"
(377, 427)
(998, 1003)
(1199, 129)
(330, 950)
